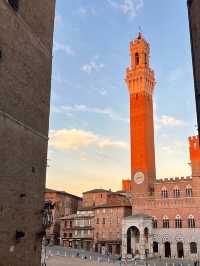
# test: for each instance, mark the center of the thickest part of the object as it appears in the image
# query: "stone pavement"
(73, 261)
(69, 261)
(58, 256)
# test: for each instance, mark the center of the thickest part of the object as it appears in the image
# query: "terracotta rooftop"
(86, 208)
(123, 203)
(49, 190)
(97, 190)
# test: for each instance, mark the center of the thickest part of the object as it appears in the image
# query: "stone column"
(150, 244)
(174, 250)
(161, 249)
(124, 246)
(186, 248)
(142, 246)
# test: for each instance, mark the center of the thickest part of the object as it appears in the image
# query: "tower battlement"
(173, 179)
(194, 148)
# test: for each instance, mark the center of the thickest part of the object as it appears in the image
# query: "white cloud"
(63, 48)
(170, 121)
(128, 7)
(175, 148)
(101, 111)
(65, 139)
(101, 91)
(92, 66)
(83, 11)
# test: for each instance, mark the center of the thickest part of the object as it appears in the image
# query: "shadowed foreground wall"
(194, 21)
(26, 36)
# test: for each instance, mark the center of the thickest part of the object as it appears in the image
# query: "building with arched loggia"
(165, 217)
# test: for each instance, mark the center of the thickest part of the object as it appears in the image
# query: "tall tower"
(141, 81)
(194, 155)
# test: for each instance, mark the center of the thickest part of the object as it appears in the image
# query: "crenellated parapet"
(194, 155)
(174, 179)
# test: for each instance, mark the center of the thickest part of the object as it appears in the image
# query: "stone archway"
(180, 250)
(136, 235)
(133, 241)
(167, 249)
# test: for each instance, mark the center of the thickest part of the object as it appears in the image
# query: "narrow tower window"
(137, 59)
(145, 59)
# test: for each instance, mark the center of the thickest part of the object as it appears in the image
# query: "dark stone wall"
(194, 21)
(26, 38)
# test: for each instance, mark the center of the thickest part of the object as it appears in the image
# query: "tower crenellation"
(194, 155)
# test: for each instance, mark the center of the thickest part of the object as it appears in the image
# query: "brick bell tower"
(194, 155)
(140, 80)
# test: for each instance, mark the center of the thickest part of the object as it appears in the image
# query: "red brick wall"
(111, 229)
(94, 199)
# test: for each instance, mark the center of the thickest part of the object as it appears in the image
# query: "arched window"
(188, 191)
(178, 222)
(137, 60)
(193, 248)
(177, 192)
(191, 221)
(164, 193)
(155, 222)
(165, 222)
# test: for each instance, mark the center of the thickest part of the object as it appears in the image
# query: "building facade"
(97, 224)
(26, 40)
(108, 226)
(64, 204)
(165, 218)
(77, 230)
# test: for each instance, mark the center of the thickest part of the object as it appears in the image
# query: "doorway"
(133, 239)
(167, 249)
(180, 251)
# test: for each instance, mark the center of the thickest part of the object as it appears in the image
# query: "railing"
(59, 251)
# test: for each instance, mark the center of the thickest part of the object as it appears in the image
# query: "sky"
(89, 144)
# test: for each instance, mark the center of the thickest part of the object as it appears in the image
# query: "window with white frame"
(178, 222)
(165, 222)
(155, 222)
(177, 192)
(191, 221)
(188, 191)
(164, 193)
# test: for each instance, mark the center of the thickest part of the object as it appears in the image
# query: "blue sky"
(89, 121)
